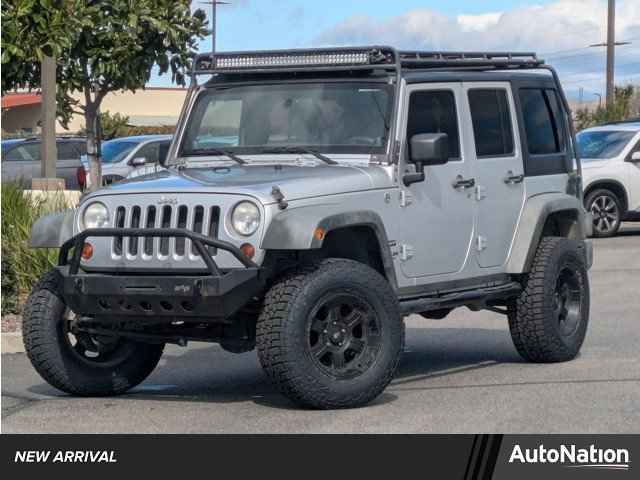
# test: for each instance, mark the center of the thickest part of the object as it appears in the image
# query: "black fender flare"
(295, 229)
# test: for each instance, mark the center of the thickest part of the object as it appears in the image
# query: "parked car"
(611, 175)
(21, 159)
(385, 184)
(122, 156)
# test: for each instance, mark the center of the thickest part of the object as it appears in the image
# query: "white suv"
(611, 174)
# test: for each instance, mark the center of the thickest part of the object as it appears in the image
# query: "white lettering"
(32, 456)
(516, 454)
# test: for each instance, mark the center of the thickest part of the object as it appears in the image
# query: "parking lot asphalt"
(457, 375)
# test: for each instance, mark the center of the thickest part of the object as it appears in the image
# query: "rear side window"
(544, 134)
(67, 151)
(29, 152)
(81, 147)
(434, 111)
(491, 119)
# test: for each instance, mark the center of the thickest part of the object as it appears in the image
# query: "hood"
(590, 163)
(295, 182)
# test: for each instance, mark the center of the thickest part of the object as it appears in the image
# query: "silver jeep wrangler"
(312, 199)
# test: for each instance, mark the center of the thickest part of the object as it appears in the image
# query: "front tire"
(330, 335)
(606, 208)
(548, 322)
(79, 364)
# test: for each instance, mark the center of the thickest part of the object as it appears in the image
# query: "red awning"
(20, 99)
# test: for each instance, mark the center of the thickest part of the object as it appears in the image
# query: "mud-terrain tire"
(111, 371)
(606, 208)
(330, 335)
(548, 322)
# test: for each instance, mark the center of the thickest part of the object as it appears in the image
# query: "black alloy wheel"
(344, 335)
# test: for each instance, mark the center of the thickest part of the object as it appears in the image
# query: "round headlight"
(95, 215)
(245, 218)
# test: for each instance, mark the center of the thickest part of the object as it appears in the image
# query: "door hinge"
(406, 252)
(406, 198)
(481, 192)
(481, 243)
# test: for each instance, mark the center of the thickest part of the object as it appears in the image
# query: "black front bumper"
(163, 297)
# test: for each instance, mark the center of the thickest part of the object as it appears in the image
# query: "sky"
(559, 30)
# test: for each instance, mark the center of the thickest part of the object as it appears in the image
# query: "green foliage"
(625, 106)
(100, 46)
(117, 125)
(112, 126)
(23, 266)
(149, 130)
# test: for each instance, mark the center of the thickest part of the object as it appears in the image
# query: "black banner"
(465, 457)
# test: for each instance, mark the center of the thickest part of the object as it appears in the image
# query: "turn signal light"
(248, 250)
(87, 251)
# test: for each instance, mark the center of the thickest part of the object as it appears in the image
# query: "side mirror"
(635, 157)
(138, 162)
(426, 149)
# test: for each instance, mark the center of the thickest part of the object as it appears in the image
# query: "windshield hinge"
(277, 194)
(395, 156)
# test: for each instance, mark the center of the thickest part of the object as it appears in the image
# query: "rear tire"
(606, 208)
(548, 322)
(330, 335)
(92, 366)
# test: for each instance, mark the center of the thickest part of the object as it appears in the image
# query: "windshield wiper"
(217, 151)
(297, 149)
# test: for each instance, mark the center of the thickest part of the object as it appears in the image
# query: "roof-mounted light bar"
(354, 58)
(295, 59)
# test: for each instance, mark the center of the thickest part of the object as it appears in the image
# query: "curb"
(11, 342)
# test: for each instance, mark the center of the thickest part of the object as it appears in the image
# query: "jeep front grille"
(198, 218)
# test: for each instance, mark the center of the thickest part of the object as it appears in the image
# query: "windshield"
(115, 150)
(326, 117)
(603, 144)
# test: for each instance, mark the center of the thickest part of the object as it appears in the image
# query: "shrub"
(23, 266)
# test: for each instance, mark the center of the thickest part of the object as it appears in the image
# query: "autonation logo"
(574, 457)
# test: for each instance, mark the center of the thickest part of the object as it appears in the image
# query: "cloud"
(561, 31)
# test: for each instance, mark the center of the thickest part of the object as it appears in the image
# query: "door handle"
(512, 178)
(464, 182)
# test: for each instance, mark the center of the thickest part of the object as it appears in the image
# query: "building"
(153, 106)
(21, 112)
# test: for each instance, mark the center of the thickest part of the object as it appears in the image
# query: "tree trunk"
(93, 142)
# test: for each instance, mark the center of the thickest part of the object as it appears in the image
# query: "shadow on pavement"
(211, 375)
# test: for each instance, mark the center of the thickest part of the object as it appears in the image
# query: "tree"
(100, 47)
(112, 125)
(625, 106)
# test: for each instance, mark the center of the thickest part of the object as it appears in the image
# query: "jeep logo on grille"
(167, 200)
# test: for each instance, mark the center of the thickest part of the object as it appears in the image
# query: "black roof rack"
(355, 58)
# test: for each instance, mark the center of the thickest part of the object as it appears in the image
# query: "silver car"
(122, 156)
(310, 201)
(21, 160)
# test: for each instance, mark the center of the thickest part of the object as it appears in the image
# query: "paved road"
(457, 375)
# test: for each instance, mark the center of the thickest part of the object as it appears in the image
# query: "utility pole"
(48, 152)
(611, 45)
(611, 51)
